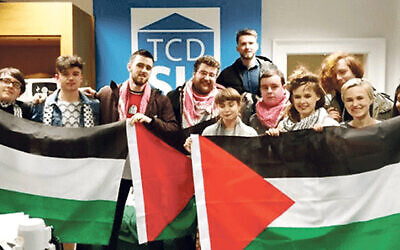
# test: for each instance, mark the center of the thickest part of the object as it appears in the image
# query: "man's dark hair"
(207, 60)
(141, 52)
(66, 62)
(17, 74)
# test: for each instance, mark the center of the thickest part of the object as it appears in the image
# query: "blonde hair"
(365, 84)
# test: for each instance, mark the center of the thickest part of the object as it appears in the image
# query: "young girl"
(307, 109)
(228, 102)
(358, 96)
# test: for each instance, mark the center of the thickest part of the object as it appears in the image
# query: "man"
(12, 85)
(134, 99)
(193, 103)
(336, 70)
(244, 74)
(67, 106)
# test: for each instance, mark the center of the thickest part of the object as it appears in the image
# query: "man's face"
(247, 46)
(343, 73)
(140, 69)
(70, 79)
(204, 79)
(10, 88)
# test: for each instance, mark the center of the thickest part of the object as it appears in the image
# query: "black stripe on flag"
(105, 141)
(306, 153)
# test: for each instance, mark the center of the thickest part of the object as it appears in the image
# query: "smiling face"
(247, 46)
(357, 102)
(272, 90)
(10, 88)
(304, 100)
(140, 69)
(229, 110)
(204, 79)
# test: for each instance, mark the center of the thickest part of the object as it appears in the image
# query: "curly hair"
(301, 76)
(328, 69)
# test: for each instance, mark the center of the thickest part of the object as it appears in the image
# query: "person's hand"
(88, 91)
(334, 114)
(273, 132)
(318, 127)
(39, 98)
(138, 117)
(188, 144)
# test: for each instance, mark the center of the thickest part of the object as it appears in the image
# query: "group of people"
(248, 98)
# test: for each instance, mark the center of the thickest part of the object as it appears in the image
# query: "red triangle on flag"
(167, 181)
(240, 204)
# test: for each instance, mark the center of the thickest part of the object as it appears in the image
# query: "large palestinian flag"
(303, 190)
(68, 177)
(163, 187)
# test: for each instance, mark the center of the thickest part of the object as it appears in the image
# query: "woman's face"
(271, 90)
(398, 102)
(357, 102)
(10, 88)
(304, 100)
(228, 110)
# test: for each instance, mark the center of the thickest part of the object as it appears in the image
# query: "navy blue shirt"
(251, 79)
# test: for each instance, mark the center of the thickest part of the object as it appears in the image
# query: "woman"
(358, 96)
(307, 110)
(274, 103)
(396, 104)
(12, 85)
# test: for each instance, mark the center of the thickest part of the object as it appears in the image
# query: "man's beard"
(247, 56)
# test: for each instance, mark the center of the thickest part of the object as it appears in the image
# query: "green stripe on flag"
(381, 233)
(184, 223)
(94, 219)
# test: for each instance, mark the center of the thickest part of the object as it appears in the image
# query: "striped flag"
(67, 176)
(163, 187)
(303, 190)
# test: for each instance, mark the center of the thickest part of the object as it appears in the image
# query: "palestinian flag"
(67, 176)
(302, 190)
(163, 187)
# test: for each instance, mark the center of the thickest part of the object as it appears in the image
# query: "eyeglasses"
(204, 73)
(8, 81)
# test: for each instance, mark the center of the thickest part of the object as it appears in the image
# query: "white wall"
(322, 19)
(85, 5)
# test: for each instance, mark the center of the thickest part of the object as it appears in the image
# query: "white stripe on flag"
(137, 182)
(340, 200)
(66, 178)
(202, 218)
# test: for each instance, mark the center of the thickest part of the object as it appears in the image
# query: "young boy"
(67, 106)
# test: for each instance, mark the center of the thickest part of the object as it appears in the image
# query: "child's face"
(304, 100)
(228, 110)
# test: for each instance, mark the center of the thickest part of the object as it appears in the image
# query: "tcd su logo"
(175, 40)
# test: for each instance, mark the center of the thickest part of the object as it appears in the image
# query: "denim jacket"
(56, 120)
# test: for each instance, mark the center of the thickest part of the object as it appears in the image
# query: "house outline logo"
(176, 42)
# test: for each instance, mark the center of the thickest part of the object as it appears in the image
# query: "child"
(307, 109)
(228, 102)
